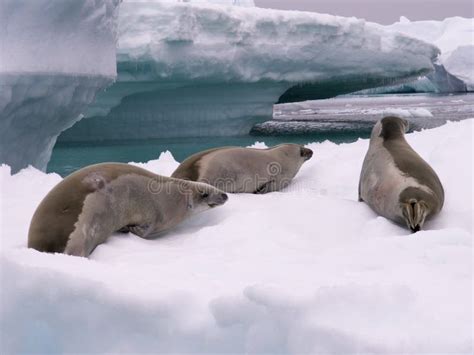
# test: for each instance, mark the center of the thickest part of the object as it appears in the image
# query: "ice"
(197, 69)
(54, 57)
(305, 270)
(191, 68)
(354, 116)
(454, 36)
(410, 113)
(439, 81)
(461, 63)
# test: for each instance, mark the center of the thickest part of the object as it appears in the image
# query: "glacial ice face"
(438, 81)
(54, 57)
(187, 69)
(461, 64)
(454, 36)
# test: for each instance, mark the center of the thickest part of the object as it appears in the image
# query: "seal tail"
(415, 213)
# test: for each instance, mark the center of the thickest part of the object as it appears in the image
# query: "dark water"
(341, 120)
(68, 157)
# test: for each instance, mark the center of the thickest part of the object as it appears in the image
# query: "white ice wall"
(67, 36)
(54, 57)
(454, 36)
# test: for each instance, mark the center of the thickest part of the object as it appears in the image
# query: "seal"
(238, 169)
(85, 208)
(395, 181)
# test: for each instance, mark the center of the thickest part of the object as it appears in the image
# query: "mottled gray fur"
(84, 209)
(237, 169)
(395, 181)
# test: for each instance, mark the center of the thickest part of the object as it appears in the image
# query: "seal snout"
(416, 228)
(217, 199)
(306, 153)
(415, 213)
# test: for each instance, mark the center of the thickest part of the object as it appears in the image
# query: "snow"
(256, 44)
(200, 69)
(454, 36)
(54, 58)
(305, 270)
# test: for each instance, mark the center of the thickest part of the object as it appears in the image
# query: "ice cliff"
(187, 69)
(54, 57)
(439, 81)
(454, 36)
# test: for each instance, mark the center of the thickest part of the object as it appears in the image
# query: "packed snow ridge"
(54, 58)
(305, 270)
(200, 69)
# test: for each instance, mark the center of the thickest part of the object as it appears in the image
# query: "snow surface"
(198, 69)
(454, 36)
(54, 57)
(305, 270)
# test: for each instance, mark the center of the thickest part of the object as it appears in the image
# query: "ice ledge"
(187, 69)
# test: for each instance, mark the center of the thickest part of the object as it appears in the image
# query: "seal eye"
(205, 195)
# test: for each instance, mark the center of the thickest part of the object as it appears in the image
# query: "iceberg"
(455, 69)
(182, 68)
(54, 58)
(188, 69)
(439, 81)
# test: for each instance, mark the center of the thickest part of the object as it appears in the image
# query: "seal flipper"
(264, 188)
(125, 229)
(145, 231)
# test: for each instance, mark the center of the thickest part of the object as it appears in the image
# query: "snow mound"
(305, 270)
(197, 69)
(54, 57)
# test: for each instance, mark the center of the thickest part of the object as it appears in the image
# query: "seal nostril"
(224, 197)
(416, 228)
